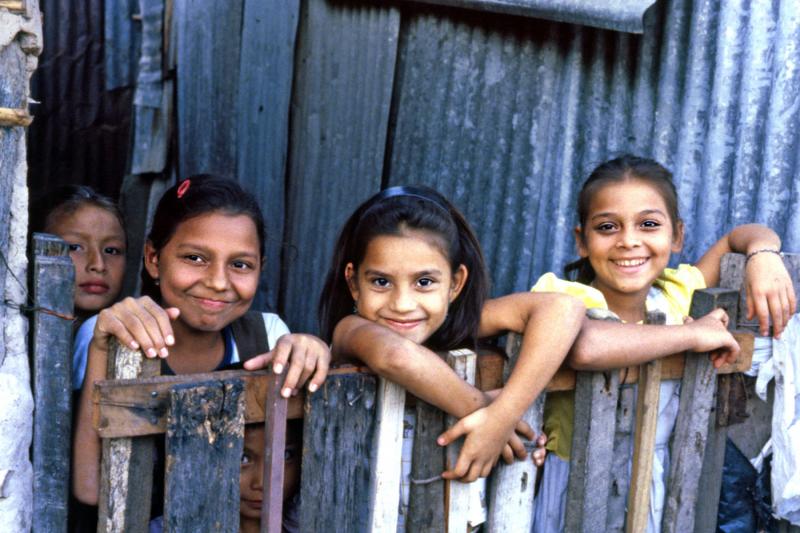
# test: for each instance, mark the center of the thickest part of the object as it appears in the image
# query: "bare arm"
(769, 288)
(414, 367)
(605, 345)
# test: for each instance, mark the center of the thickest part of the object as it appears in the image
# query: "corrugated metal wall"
(504, 114)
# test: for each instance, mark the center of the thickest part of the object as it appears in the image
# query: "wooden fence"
(353, 434)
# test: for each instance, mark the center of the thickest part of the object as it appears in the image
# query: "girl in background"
(93, 228)
(408, 278)
(628, 228)
(202, 263)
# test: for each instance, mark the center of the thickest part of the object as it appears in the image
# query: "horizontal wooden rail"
(14, 117)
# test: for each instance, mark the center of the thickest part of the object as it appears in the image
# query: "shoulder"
(679, 284)
(590, 296)
(275, 326)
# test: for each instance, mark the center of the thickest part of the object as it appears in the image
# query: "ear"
(151, 259)
(677, 240)
(350, 276)
(579, 244)
(457, 283)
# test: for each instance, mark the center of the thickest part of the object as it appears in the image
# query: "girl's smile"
(208, 269)
(628, 239)
(405, 283)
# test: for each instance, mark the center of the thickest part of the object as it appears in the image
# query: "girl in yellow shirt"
(628, 227)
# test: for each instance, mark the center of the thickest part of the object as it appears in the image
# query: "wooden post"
(53, 287)
(687, 447)
(275, 411)
(588, 487)
(512, 486)
(620, 464)
(387, 448)
(205, 433)
(644, 443)
(457, 494)
(426, 494)
(126, 472)
(338, 434)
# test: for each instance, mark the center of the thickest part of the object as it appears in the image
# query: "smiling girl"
(202, 263)
(628, 228)
(408, 278)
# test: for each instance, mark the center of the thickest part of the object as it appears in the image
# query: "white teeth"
(630, 262)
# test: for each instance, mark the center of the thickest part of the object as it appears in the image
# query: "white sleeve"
(276, 328)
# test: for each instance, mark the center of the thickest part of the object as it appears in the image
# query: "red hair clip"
(183, 187)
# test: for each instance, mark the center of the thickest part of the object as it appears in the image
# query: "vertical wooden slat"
(387, 448)
(457, 494)
(339, 424)
(205, 438)
(644, 443)
(426, 498)
(588, 487)
(53, 287)
(687, 448)
(273, 453)
(512, 486)
(126, 471)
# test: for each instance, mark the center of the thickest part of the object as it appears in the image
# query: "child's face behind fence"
(209, 269)
(251, 482)
(628, 237)
(97, 247)
(405, 283)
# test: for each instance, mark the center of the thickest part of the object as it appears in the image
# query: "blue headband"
(410, 191)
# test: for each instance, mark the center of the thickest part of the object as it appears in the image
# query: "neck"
(194, 351)
(249, 525)
(630, 307)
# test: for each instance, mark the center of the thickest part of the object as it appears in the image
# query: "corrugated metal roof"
(620, 15)
(520, 111)
(340, 111)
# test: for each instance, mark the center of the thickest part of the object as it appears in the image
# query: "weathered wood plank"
(644, 443)
(126, 470)
(456, 493)
(339, 426)
(620, 464)
(588, 487)
(511, 487)
(688, 443)
(53, 286)
(426, 493)
(274, 448)
(14, 117)
(388, 448)
(205, 434)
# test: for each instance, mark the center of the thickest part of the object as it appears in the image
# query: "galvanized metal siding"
(518, 112)
(344, 68)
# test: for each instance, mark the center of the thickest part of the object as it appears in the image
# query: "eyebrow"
(432, 272)
(202, 248)
(640, 213)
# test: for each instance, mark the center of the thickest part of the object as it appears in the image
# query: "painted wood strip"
(204, 444)
(687, 447)
(53, 287)
(388, 449)
(126, 469)
(276, 407)
(457, 494)
(644, 443)
(338, 434)
(511, 487)
(588, 487)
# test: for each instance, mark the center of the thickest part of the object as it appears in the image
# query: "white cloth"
(275, 327)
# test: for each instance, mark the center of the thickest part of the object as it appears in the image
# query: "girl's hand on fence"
(711, 335)
(486, 434)
(769, 292)
(139, 323)
(540, 452)
(307, 357)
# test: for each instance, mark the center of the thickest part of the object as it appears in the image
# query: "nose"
(96, 262)
(403, 300)
(217, 277)
(628, 238)
(258, 476)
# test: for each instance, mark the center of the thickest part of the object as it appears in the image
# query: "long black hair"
(623, 168)
(194, 196)
(395, 211)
